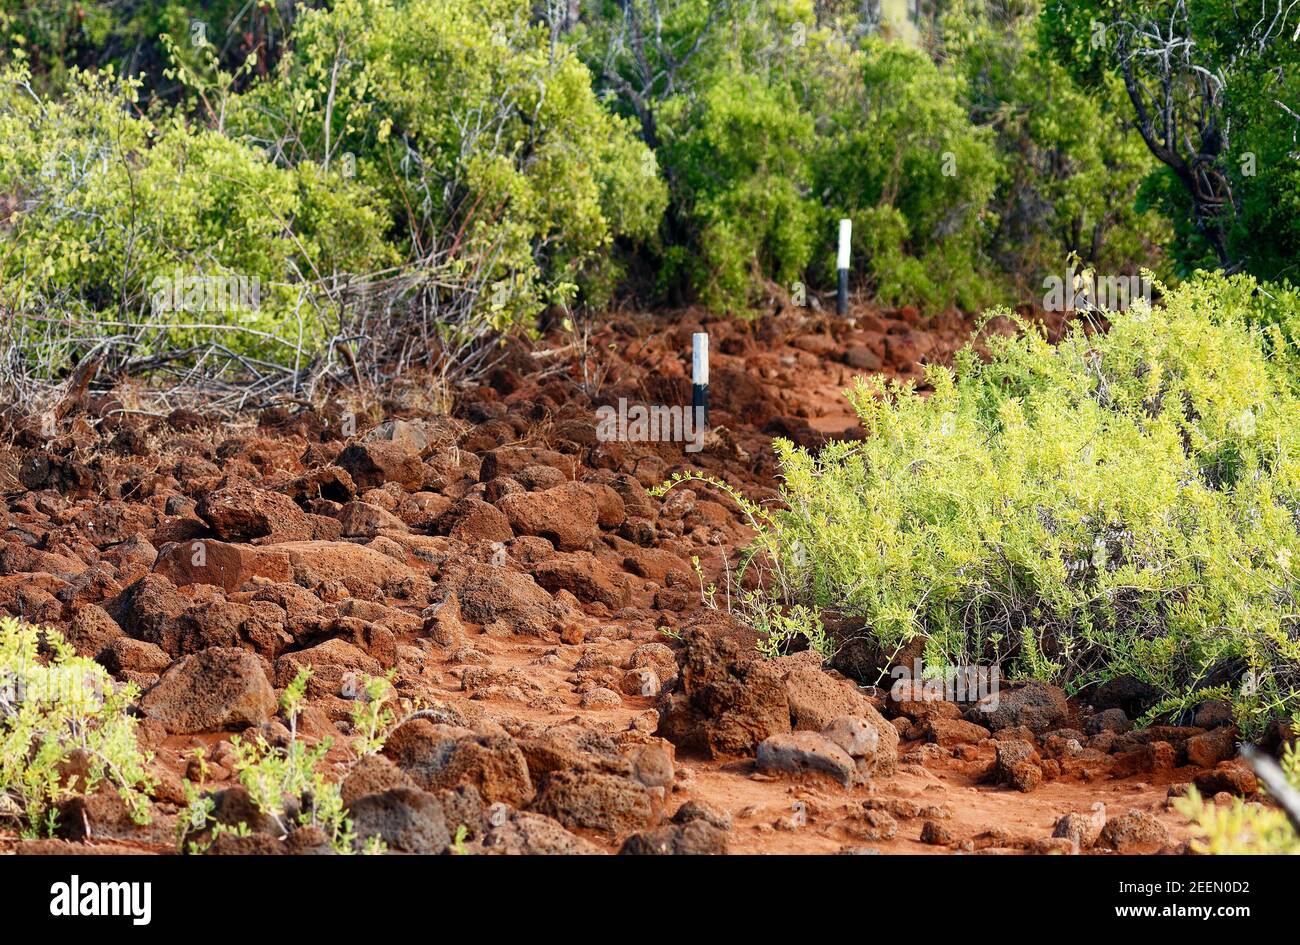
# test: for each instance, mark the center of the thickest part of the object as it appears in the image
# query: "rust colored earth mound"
(511, 570)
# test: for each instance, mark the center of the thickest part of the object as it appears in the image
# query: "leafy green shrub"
(1118, 504)
(1071, 163)
(112, 205)
(288, 783)
(481, 135)
(742, 151)
(55, 37)
(1217, 90)
(54, 709)
(907, 163)
(774, 120)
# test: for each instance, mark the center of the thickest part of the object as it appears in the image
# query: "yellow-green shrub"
(1242, 826)
(52, 708)
(482, 136)
(1121, 503)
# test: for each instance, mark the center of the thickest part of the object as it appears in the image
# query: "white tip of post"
(700, 358)
(846, 236)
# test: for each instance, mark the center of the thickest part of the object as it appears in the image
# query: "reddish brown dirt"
(89, 515)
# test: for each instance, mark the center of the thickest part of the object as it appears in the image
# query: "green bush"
(959, 169)
(111, 201)
(289, 783)
(1118, 504)
(784, 121)
(481, 136)
(741, 151)
(53, 709)
(1218, 89)
(906, 162)
(56, 37)
(1071, 163)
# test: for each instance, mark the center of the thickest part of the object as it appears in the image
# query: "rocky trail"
(543, 611)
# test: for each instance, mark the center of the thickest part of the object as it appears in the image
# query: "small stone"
(800, 753)
(936, 834)
(702, 810)
(601, 698)
(1228, 777)
(950, 732)
(1017, 765)
(1213, 747)
(858, 737)
(640, 682)
(1083, 829)
(1133, 831)
(1108, 720)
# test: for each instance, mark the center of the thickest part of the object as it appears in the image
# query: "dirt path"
(804, 370)
(510, 570)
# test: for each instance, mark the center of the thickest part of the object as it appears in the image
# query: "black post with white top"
(842, 265)
(700, 374)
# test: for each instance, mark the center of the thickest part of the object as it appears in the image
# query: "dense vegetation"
(517, 156)
(65, 729)
(1212, 89)
(275, 190)
(1118, 504)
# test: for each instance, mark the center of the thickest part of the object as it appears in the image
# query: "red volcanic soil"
(527, 593)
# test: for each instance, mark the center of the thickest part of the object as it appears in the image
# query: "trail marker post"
(842, 265)
(700, 375)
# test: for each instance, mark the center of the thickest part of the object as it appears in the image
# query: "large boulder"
(1037, 706)
(239, 511)
(566, 515)
(214, 690)
(336, 668)
(228, 566)
(585, 577)
(441, 757)
(363, 520)
(471, 519)
(1018, 765)
(694, 838)
(727, 699)
(150, 608)
(1134, 831)
(372, 464)
(349, 564)
(596, 801)
(407, 820)
(154, 610)
(1209, 749)
(373, 774)
(521, 832)
(507, 601)
(805, 753)
(818, 698)
(509, 460)
(91, 630)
